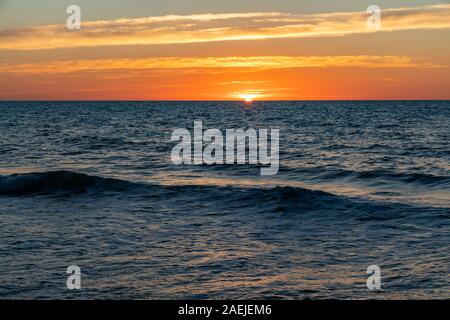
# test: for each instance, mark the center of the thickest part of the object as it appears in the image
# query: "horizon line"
(213, 100)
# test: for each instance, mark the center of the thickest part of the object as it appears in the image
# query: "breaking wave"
(54, 182)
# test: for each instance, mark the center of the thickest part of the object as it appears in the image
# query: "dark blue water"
(92, 184)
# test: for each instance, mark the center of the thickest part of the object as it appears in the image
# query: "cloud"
(175, 29)
(210, 63)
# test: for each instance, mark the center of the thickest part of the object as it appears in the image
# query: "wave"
(72, 182)
(257, 200)
(419, 178)
(327, 174)
(55, 182)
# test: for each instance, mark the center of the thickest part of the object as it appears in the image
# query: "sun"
(248, 97)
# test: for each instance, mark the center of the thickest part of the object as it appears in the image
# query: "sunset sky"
(224, 50)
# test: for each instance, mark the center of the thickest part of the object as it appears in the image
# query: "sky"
(224, 50)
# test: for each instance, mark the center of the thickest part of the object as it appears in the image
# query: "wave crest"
(53, 182)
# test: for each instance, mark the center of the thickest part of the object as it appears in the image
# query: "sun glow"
(248, 97)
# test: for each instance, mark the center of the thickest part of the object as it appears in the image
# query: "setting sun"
(248, 97)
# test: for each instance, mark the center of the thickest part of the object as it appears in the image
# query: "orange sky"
(225, 56)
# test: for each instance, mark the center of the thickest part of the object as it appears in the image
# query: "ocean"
(92, 184)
